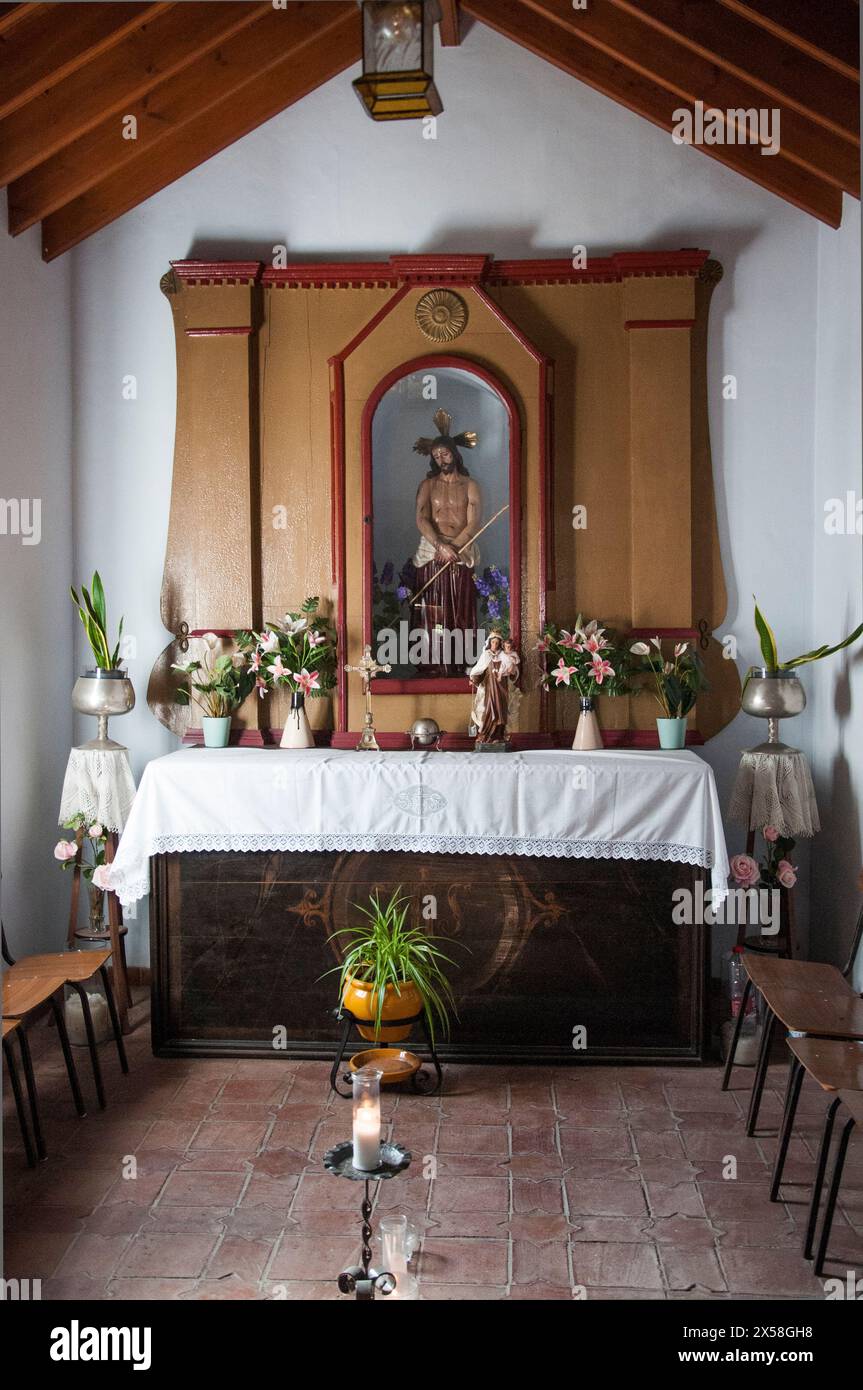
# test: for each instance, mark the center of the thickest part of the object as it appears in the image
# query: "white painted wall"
(36, 660)
(526, 162)
(835, 686)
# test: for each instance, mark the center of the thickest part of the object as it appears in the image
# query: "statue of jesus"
(448, 514)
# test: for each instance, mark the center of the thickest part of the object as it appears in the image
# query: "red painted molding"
(431, 685)
(244, 330)
(659, 323)
(474, 269)
(239, 738)
(451, 743)
(218, 272)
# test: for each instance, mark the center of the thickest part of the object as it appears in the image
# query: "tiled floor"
(529, 1182)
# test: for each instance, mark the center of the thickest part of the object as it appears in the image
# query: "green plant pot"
(216, 731)
(672, 733)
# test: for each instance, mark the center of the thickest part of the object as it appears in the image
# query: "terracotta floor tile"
(149, 1289)
(627, 1265)
(180, 1255)
(242, 1256)
(593, 1197)
(736, 1201)
(540, 1264)
(490, 1224)
(611, 1228)
(539, 1226)
(770, 1273)
(235, 1136)
(313, 1257)
(202, 1189)
(681, 1231)
(464, 1261)
(460, 1293)
(694, 1268)
(92, 1257)
(674, 1199)
(302, 1291)
(470, 1194)
(162, 1219)
(266, 1191)
(473, 1140)
(467, 1166)
(653, 1146)
(32, 1255)
(580, 1143)
(546, 1195)
(325, 1192)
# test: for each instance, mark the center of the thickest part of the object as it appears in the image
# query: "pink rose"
(96, 831)
(102, 876)
(786, 873)
(771, 833)
(744, 870)
(65, 849)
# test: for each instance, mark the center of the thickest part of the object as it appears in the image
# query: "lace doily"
(775, 789)
(100, 784)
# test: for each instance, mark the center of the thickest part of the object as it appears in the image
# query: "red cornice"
(217, 272)
(217, 332)
(480, 270)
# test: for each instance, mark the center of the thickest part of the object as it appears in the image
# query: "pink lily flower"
(270, 642)
(261, 686)
(255, 663)
(277, 670)
(600, 669)
(542, 645)
(562, 672)
(316, 639)
(308, 681)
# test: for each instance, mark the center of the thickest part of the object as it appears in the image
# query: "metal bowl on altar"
(425, 733)
(773, 694)
(103, 693)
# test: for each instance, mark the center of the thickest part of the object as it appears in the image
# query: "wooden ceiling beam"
(564, 49)
(138, 63)
(785, 74)
(449, 27)
(335, 45)
(828, 31)
(10, 15)
(183, 98)
(692, 78)
(56, 40)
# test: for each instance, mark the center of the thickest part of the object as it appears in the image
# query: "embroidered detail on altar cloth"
(420, 801)
(129, 890)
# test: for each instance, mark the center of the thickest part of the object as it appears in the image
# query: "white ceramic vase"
(588, 736)
(297, 733)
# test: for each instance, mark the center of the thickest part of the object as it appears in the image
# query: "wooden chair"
(807, 997)
(31, 994)
(74, 968)
(837, 1067)
(13, 1026)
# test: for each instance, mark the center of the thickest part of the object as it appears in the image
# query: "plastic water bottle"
(737, 978)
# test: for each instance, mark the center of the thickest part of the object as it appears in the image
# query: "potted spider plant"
(392, 970)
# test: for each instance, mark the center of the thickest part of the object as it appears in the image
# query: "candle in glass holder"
(367, 1119)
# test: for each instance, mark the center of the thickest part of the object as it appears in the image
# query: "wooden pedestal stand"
(115, 932)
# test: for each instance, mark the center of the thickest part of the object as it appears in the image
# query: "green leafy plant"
(677, 681)
(298, 653)
(584, 660)
(386, 950)
(94, 616)
(218, 684)
(770, 653)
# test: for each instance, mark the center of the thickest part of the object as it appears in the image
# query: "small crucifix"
(368, 668)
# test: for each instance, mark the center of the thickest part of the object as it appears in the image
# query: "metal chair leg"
(91, 1041)
(19, 1103)
(832, 1194)
(29, 1077)
(115, 1018)
(792, 1096)
(818, 1184)
(761, 1070)
(334, 1072)
(738, 1024)
(68, 1057)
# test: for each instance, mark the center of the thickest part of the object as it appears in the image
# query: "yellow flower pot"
(362, 1002)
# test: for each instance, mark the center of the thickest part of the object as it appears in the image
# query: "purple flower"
(493, 608)
(402, 593)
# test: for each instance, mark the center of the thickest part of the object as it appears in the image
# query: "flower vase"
(217, 730)
(96, 915)
(588, 736)
(672, 732)
(297, 733)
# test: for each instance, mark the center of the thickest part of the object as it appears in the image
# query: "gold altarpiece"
(603, 370)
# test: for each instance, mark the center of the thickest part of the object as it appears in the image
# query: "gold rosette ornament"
(441, 315)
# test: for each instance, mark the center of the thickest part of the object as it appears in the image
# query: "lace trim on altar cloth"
(129, 890)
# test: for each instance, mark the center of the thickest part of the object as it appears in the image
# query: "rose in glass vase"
(90, 840)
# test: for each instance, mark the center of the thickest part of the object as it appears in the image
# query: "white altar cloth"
(614, 804)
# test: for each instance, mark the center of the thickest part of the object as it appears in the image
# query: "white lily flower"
(655, 642)
(640, 649)
(294, 625)
(681, 648)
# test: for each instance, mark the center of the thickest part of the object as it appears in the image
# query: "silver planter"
(103, 693)
(772, 695)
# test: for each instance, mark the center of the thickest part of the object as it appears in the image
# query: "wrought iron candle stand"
(361, 1279)
(419, 1078)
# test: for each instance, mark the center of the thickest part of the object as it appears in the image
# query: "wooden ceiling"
(198, 76)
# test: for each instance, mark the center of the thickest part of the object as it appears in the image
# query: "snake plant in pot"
(104, 689)
(391, 970)
(773, 691)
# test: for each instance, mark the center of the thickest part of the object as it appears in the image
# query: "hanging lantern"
(398, 60)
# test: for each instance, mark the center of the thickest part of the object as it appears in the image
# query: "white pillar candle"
(367, 1135)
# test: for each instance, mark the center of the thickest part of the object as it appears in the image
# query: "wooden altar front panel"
(239, 946)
